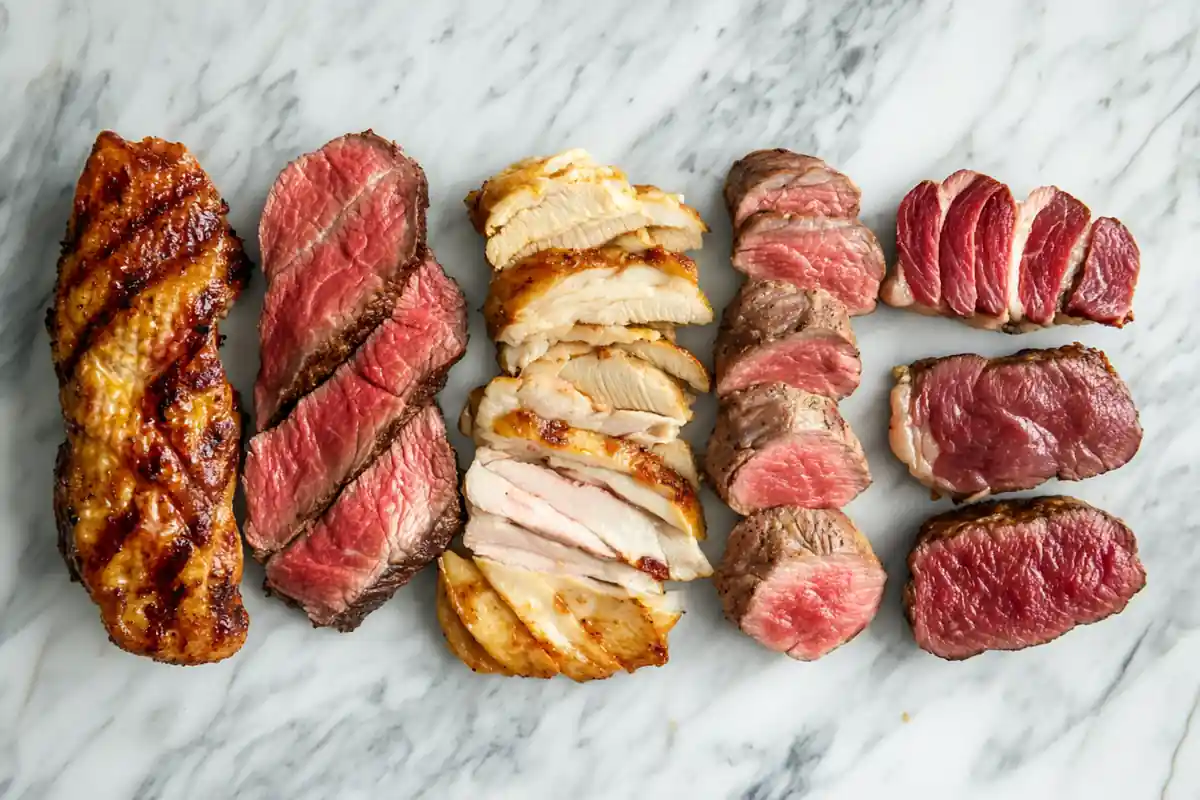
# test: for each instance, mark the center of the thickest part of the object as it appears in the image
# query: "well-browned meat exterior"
(144, 484)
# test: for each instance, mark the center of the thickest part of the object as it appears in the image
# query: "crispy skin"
(143, 495)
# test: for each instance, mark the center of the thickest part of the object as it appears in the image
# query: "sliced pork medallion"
(350, 219)
(1104, 291)
(799, 581)
(397, 516)
(774, 332)
(790, 183)
(841, 256)
(551, 292)
(296, 468)
(1008, 575)
(968, 426)
(774, 445)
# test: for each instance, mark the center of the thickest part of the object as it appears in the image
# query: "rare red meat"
(993, 254)
(969, 426)
(789, 183)
(1008, 575)
(956, 248)
(340, 227)
(917, 277)
(775, 446)
(387, 524)
(799, 581)
(1052, 251)
(774, 332)
(841, 256)
(1104, 292)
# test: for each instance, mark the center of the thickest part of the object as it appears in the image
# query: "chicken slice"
(491, 621)
(665, 611)
(514, 358)
(526, 183)
(622, 622)
(548, 294)
(673, 226)
(460, 641)
(678, 456)
(613, 378)
(671, 359)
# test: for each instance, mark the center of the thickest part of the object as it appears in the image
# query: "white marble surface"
(1101, 98)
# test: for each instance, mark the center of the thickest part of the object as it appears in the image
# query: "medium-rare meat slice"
(993, 255)
(841, 256)
(778, 446)
(1048, 247)
(1104, 292)
(969, 426)
(392, 520)
(352, 229)
(774, 332)
(1009, 575)
(799, 581)
(790, 183)
(294, 469)
(957, 247)
(549, 293)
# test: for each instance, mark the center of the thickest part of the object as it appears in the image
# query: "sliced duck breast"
(1051, 231)
(774, 445)
(841, 256)
(993, 254)
(775, 332)
(789, 183)
(956, 246)
(1104, 291)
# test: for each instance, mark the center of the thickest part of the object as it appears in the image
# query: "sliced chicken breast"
(673, 225)
(514, 358)
(678, 456)
(623, 622)
(460, 641)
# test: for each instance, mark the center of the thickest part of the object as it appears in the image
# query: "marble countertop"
(1100, 98)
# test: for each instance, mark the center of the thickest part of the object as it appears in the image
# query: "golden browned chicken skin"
(144, 485)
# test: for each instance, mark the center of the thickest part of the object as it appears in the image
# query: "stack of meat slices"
(581, 498)
(797, 576)
(351, 484)
(967, 249)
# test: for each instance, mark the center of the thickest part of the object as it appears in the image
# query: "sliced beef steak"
(799, 581)
(294, 469)
(1051, 232)
(993, 255)
(775, 332)
(957, 250)
(775, 446)
(841, 256)
(1104, 292)
(1008, 575)
(339, 229)
(969, 426)
(392, 520)
(790, 183)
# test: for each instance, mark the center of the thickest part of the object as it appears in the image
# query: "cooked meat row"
(144, 482)
(967, 249)
(351, 484)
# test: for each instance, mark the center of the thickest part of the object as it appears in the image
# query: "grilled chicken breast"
(145, 480)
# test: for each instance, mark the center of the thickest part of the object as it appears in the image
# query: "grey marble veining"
(1100, 98)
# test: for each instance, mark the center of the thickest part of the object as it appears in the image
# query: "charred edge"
(230, 620)
(65, 516)
(951, 523)
(1031, 355)
(654, 568)
(169, 591)
(111, 540)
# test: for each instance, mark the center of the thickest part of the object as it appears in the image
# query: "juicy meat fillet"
(957, 250)
(774, 332)
(789, 183)
(799, 581)
(917, 276)
(1008, 575)
(350, 219)
(993, 254)
(778, 446)
(1104, 292)
(841, 256)
(969, 426)
(1053, 249)
(145, 480)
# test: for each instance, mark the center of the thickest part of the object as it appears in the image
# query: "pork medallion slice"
(775, 332)
(790, 183)
(774, 445)
(1008, 575)
(799, 581)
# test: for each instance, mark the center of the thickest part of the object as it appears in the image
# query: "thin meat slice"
(1009, 575)
(1052, 250)
(841, 256)
(337, 238)
(392, 520)
(775, 446)
(789, 183)
(800, 581)
(1104, 292)
(993, 254)
(774, 332)
(294, 469)
(968, 426)
(917, 278)
(957, 248)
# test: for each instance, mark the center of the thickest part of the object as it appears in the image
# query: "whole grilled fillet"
(144, 485)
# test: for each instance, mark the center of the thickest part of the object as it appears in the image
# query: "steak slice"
(1009, 575)
(993, 254)
(956, 246)
(789, 183)
(774, 332)
(1048, 248)
(968, 426)
(778, 446)
(351, 229)
(392, 520)
(296, 468)
(917, 278)
(799, 581)
(1104, 292)
(841, 256)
